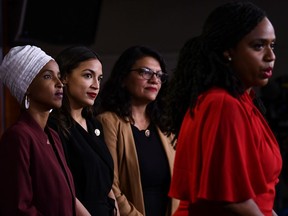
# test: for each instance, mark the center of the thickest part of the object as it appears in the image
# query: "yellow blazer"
(127, 181)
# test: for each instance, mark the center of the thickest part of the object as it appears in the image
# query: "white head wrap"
(20, 66)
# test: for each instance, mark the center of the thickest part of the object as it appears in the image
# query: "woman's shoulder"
(19, 130)
(111, 117)
(168, 139)
(22, 132)
(218, 97)
(219, 103)
(107, 114)
(217, 93)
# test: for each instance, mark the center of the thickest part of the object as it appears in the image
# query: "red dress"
(225, 152)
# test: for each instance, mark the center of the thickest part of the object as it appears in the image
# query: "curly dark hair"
(69, 59)
(115, 98)
(201, 62)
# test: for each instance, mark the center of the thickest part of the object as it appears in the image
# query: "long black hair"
(69, 59)
(201, 62)
(115, 98)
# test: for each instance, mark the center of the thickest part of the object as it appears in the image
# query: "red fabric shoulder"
(216, 157)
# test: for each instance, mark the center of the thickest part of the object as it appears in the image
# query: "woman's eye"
(88, 75)
(258, 46)
(100, 78)
(147, 72)
(47, 76)
(272, 46)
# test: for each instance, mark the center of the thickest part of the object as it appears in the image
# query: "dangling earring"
(50, 110)
(229, 59)
(27, 102)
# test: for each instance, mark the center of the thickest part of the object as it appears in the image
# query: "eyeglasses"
(148, 73)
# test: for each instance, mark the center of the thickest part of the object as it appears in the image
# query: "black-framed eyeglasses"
(148, 73)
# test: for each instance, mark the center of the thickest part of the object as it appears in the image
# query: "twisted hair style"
(69, 59)
(114, 97)
(201, 62)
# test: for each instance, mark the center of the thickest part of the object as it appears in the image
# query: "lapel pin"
(97, 132)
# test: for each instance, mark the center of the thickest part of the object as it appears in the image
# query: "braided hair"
(201, 62)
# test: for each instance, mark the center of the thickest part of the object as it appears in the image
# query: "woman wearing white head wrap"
(20, 66)
(35, 179)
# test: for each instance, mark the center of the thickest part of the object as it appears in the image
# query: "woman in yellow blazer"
(130, 113)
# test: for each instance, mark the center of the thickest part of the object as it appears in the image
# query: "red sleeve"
(216, 157)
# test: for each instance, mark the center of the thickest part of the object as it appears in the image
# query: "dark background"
(110, 26)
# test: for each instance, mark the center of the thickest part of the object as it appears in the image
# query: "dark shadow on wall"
(57, 22)
(275, 99)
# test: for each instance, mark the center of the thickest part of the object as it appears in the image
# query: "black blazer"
(91, 165)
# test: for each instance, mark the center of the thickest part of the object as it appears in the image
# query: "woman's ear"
(227, 55)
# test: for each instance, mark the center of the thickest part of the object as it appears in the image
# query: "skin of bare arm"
(247, 208)
(80, 209)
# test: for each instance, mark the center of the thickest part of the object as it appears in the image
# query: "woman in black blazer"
(86, 152)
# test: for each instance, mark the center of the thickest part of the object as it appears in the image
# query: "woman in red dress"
(227, 159)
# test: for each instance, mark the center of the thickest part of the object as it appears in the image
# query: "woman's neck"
(141, 119)
(77, 116)
(40, 117)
